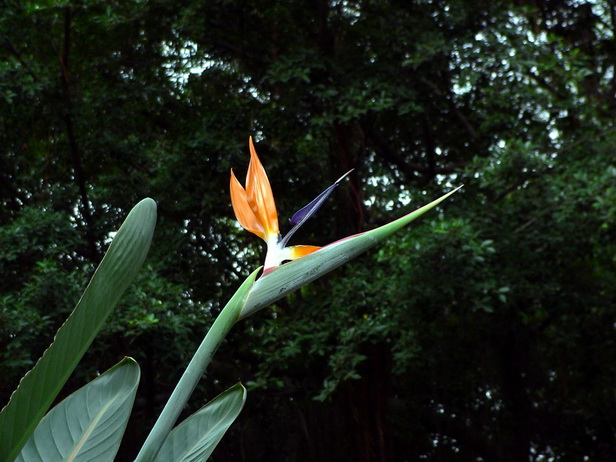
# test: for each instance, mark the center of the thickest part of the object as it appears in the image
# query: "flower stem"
(194, 371)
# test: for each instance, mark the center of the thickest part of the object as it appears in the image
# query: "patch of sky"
(184, 59)
(378, 182)
(350, 10)
(542, 454)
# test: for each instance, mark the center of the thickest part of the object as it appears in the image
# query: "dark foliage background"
(485, 332)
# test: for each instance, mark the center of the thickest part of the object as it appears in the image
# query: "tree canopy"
(484, 332)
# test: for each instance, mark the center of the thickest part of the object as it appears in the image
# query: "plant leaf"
(39, 387)
(282, 280)
(196, 438)
(89, 424)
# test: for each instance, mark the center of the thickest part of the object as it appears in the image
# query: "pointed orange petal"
(298, 251)
(259, 194)
(243, 211)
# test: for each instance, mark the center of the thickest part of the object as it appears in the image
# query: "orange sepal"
(243, 211)
(259, 194)
(298, 251)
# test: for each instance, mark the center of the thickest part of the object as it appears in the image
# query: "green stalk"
(194, 371)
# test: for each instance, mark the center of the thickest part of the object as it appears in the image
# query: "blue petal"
(307, 211)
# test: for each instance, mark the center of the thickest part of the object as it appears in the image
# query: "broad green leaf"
(39, 387)
(284, 279)
(196, 438)
(195, 369)
(89, 424)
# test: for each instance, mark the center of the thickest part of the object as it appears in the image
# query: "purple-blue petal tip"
(307, 211)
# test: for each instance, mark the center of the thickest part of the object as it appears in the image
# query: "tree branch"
(467, 436)
(392, 156)
(76, 154)
(461, 117)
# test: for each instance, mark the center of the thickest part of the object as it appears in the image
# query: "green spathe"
(282, 280)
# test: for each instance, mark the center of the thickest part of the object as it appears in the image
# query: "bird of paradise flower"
(255, 209)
